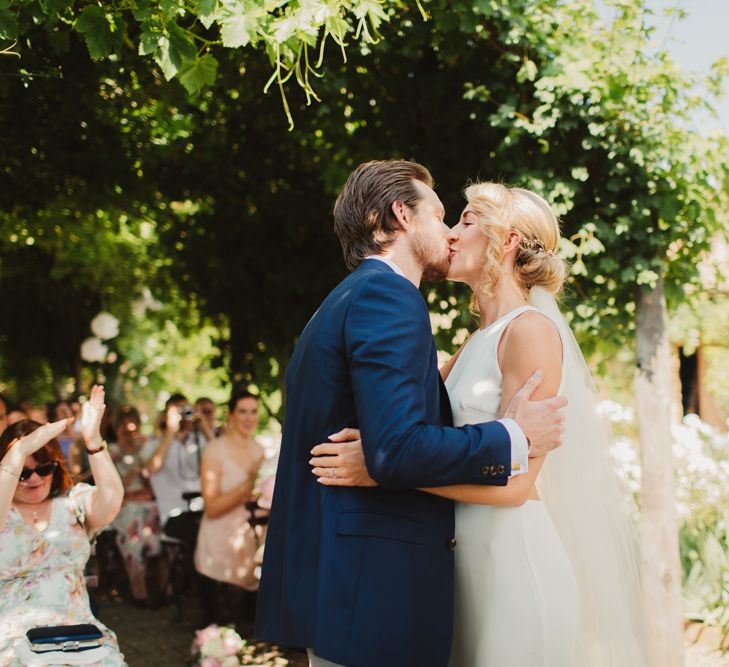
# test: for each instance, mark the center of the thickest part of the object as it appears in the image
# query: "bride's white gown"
(516, 600)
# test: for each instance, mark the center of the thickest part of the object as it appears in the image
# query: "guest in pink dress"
(226, 544)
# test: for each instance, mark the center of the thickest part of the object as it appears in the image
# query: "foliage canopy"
(199, 192)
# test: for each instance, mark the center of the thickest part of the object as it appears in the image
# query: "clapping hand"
(173, 419)
(31, 443)
(91, 414)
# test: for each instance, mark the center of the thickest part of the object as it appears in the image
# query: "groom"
(363, 577)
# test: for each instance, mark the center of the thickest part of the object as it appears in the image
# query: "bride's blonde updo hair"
(500, 209)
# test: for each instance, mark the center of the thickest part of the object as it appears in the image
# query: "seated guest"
(56, 412)
(46, 524)
(226, 543)
(137, 525)
(36, 413)
(207, 415)
(14, 416)
(173, 462)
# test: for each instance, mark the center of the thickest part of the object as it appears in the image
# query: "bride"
(546, 567)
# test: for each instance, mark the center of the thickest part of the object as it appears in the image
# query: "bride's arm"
(516, 492)
(531, 341)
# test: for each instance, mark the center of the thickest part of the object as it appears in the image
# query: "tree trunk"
(659, 526)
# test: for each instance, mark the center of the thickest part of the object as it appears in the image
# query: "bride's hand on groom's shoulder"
(542, 421)
(340, 462)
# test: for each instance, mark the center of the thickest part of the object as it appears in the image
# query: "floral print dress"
(42, 576)
(137, 525)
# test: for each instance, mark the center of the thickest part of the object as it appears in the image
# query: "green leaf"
(162, 58)
(527, 72)
(371, 8)
(240, 23)
(8, 22)
(182, 50)
(142, 11)
(199, 74)
(94, 25)
(206, 11)
(647, 277)
(148, 43)
(171, 8)
(337, 27)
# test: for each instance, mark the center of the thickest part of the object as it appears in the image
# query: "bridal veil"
(592, 513)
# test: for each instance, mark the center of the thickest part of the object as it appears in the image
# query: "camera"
(187, 412)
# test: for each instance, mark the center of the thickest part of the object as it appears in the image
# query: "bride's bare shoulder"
(532, 329)
(531, 342)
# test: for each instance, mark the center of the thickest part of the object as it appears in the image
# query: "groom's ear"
(402, 214)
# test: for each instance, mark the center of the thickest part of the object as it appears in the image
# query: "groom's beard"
(427, 251)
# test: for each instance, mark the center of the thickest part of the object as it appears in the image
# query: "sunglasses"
(43, 470)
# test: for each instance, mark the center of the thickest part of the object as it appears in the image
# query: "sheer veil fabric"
(592, 513)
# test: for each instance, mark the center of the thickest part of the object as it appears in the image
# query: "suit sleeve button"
(484, 470)
(452, 544)
(501, 470)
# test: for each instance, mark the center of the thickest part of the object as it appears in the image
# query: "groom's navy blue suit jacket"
(364, 576)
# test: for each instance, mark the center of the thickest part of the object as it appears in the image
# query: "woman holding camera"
(45, 525)
(173, 462)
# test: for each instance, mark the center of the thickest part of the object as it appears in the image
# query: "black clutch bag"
(64, 638)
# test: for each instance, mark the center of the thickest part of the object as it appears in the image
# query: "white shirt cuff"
(519, 447)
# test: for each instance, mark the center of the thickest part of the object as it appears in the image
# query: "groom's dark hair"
(363, 217)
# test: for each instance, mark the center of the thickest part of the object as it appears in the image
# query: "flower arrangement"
(701, 455)
(216, 646)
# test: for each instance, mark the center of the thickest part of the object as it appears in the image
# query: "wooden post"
(659, 526)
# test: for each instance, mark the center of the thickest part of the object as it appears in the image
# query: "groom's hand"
(541, 421)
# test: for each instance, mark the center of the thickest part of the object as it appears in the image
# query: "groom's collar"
(388, 261)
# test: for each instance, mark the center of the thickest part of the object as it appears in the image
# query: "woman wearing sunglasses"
(45, 527)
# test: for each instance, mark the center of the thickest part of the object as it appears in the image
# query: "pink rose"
(209, 662)
(206, 634)
(232, 644)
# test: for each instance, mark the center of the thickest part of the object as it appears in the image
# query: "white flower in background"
(146, 302)
(92, 349)
(616, 412)
(105, 326)
(443, 357)
(460, 337)
(440, 322)
(701, 456)
(626, 462)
